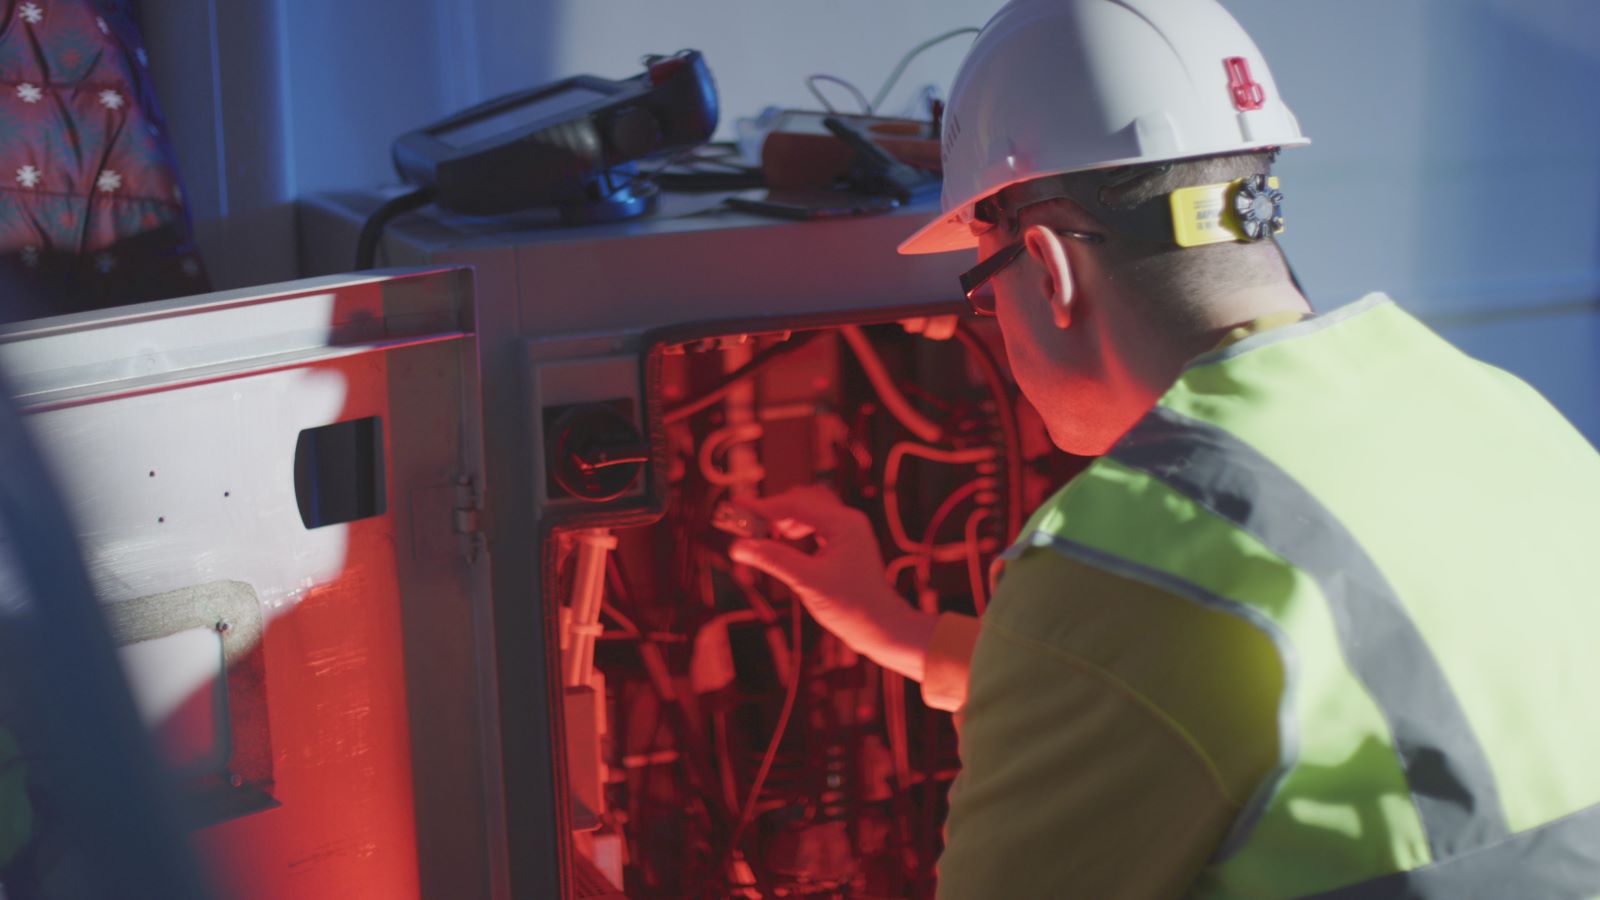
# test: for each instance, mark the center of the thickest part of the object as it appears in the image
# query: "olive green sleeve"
(1112, 731)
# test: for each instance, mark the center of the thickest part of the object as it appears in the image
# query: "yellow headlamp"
(1245, 209)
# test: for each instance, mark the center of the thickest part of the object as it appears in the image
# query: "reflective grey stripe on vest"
(1445, 767)
(1558, 860)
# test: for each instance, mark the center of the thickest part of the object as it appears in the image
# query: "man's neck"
(1225, 313)
(1157, 359)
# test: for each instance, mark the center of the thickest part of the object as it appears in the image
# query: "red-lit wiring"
(719, 729)
(980, 593)
(894, 720)
(896, 566)
(899, 564)
(742, 576)
(748, 812)
(930, 536)
(725, 439)
(891, 493)
(1010, 431)
(893, 400)
(628, 625)
(731, 380)
(981, 485)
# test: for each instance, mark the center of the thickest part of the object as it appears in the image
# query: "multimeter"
(571, 144)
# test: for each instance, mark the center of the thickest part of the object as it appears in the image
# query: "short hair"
(1176, 281)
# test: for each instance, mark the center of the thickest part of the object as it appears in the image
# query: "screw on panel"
(222, 627)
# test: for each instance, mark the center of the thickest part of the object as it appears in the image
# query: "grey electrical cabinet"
(323, 517)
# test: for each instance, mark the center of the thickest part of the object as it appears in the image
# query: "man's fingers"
(787, 505)
(803, 510)
(793, 529)
(784, 563)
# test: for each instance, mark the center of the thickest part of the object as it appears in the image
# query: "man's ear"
(1046, 249)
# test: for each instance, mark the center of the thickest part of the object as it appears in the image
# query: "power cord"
(747, 813)
(372, 229)
(870, 108)
(913, 53)
(861, 99)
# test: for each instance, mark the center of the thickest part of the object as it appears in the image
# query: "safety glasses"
(977, 282)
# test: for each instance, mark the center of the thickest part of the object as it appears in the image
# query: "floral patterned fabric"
(91, 211)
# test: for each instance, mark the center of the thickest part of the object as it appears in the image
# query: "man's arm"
(948, 661)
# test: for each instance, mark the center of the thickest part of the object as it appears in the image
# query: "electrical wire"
(891, 491)
(748, 812)
(726, 438)
(731, 380)
(899, 564)
(980, 593)
(981, 485)
(1006, 415)
(948, 506)
(741, 578)
(893, 400)
(719, 737)
(628, 626)
(913, 53)
(894, 720)
(372, 229)
(811, 85)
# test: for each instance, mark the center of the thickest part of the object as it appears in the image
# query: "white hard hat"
(1058, 86)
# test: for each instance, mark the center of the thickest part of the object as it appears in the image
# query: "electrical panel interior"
(718, 742)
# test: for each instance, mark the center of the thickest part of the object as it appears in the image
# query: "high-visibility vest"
(1419, 535)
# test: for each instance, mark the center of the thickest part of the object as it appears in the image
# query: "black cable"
(372, 229)
(749, 810)
(729, 381)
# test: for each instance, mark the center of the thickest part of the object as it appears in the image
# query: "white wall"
(1455, 163)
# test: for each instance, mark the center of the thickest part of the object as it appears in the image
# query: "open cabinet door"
(277, 493)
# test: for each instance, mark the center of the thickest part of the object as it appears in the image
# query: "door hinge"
(468, 516)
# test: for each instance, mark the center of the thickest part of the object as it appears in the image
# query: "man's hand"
(842, 583)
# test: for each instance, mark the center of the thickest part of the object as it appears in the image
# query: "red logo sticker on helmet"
(1247, 93)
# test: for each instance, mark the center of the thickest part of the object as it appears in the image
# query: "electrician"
(1321, 618)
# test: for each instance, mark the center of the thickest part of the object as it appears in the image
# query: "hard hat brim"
(942, 235)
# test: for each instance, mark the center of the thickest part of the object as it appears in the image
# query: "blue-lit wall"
(1456, 162)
